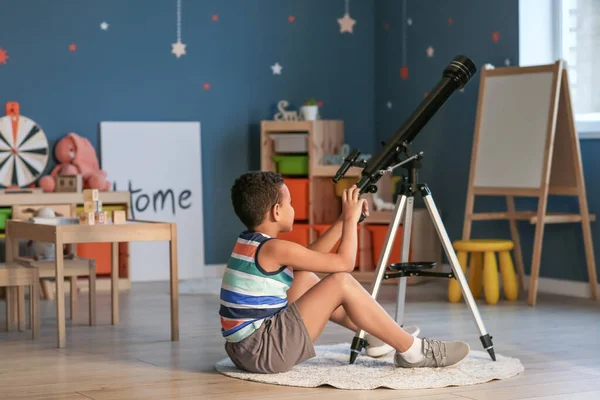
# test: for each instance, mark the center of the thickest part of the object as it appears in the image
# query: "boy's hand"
(352, 206)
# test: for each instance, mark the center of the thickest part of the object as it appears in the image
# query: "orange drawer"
(378, 233)
(101, 253)
(321, 229)
(299, 192)
(299, 234)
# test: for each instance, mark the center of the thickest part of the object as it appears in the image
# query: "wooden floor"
(558, 342)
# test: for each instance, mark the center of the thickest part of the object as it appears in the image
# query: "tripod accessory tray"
(415, 268)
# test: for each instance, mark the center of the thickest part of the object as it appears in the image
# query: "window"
(578, 44)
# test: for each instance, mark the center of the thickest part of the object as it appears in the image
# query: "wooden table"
(131, 231)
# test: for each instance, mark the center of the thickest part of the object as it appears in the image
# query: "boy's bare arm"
(276, 253)
(327, 240)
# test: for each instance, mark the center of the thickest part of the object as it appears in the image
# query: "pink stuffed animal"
(76, 155)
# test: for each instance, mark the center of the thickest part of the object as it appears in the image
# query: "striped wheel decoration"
(24, 151)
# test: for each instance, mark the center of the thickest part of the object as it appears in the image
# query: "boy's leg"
(341, 289)
(303, 281)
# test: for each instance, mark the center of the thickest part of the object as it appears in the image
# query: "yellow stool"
(483, 269)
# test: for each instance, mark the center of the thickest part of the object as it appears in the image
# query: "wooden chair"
(76, 267)
(15, 277)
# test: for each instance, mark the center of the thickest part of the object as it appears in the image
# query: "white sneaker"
(376, 348)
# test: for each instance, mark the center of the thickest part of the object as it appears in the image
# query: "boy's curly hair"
(253, 193)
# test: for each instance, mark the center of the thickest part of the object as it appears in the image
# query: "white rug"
(331, 367)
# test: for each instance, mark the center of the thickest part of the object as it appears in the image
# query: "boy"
(273, 307)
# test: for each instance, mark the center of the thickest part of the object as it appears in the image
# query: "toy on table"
(76, 156)
(92, 209)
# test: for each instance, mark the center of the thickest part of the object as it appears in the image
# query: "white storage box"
(290, 142)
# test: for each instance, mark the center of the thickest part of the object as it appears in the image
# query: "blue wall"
(447, 139)
(128, 73)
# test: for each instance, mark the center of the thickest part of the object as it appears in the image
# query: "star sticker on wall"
(72, 47)
(495, 36)
(430, 51)
(276, 69)
(178, 49)
(346, 23)
(104, 26)
(3, 56)
(291, 18)
(507, 62)
(389, 104)
(409, 21)
(450, 21)
(215, 17)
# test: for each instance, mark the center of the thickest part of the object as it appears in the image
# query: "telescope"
(396, 153)
(455, 76)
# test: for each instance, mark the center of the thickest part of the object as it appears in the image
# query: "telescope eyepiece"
(460, 70)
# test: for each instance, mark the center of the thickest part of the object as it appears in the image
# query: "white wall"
(536, 32)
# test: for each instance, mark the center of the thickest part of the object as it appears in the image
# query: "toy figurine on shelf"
(76, 156)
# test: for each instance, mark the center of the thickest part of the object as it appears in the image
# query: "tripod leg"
(405, 251)
(359, 340)
(485, 338)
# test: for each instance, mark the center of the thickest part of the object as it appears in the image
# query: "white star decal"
(178, 49)
(104, 26)
(389, 104)
(507, 62)
(346, 23)
(409, 21)
(430, 51)
(276, 69)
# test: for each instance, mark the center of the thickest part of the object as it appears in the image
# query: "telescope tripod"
(404, 210)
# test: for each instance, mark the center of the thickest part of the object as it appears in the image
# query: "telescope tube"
(455, 76)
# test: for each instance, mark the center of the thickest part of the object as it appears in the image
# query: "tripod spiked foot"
(486, 340)
(358, 344)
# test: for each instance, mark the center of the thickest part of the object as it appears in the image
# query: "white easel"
(525, 144)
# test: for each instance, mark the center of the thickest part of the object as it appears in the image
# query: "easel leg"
(468, 215)
(537, 249)
(514, 233)
(589, 247)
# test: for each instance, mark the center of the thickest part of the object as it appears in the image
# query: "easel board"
(513, 127)
(526, 144)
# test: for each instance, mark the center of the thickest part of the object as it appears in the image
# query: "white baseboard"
(214, 270)
(562, 287)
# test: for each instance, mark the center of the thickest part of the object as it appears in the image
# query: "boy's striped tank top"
(250, 294)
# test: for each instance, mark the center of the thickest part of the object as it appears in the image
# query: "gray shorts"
(280, 343)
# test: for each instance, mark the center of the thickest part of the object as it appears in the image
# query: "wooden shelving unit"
(323, 206)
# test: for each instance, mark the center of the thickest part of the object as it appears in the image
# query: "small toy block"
(118, 217)
(90, 195)
(101, 217)
(87, 218)
(69, 184)
(92, 206)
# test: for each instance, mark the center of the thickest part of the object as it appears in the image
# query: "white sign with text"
(160, 164)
